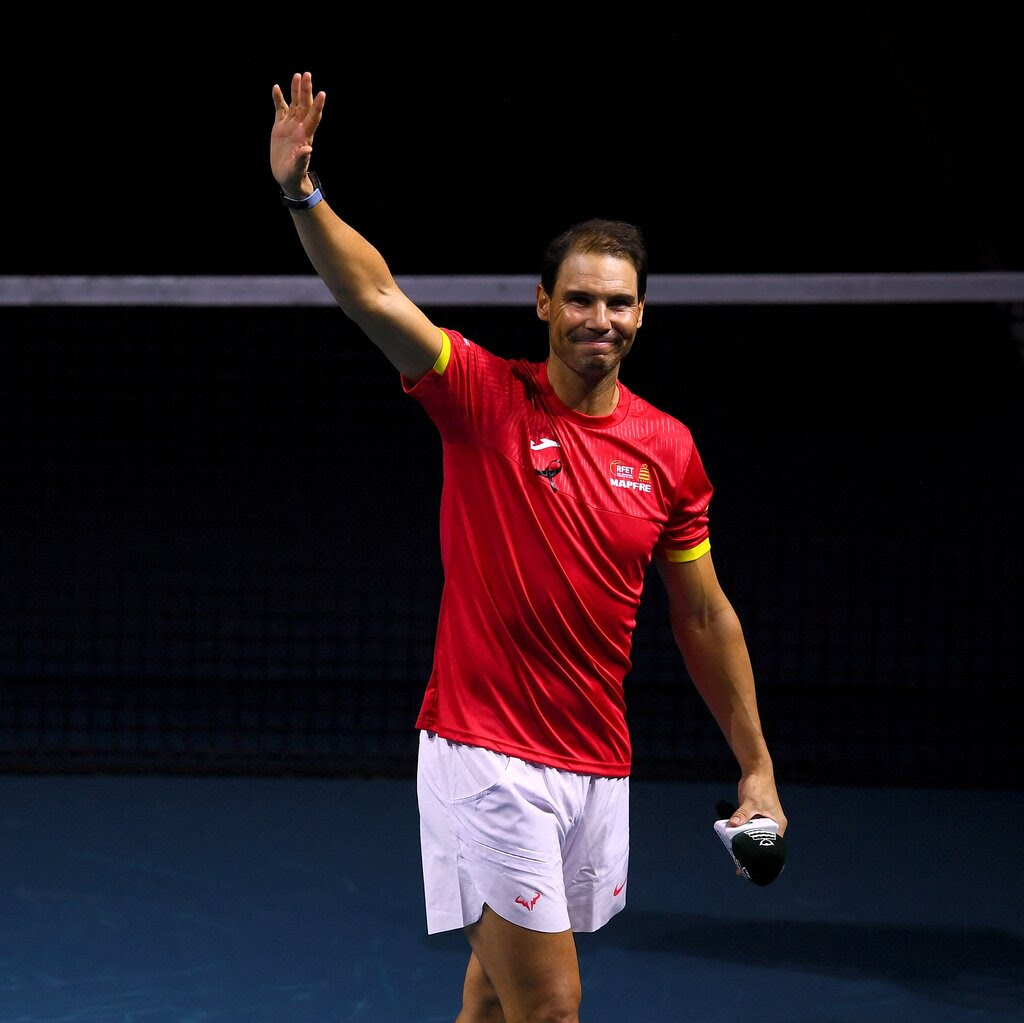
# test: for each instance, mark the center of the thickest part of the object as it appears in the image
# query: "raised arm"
(353, 270)
(710, 639)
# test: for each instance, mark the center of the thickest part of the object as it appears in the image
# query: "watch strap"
(309, 201)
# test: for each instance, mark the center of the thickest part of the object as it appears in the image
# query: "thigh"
(597, 856)
(491, 833)
(535, 973)
(447, 775)
(480, 1002)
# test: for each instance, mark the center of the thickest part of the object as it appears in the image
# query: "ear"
(640, 314)
(543, 303)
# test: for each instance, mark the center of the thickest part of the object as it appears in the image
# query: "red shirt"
(549, 519)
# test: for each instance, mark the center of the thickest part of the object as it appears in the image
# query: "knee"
(557, 1014)
(546, 1003)
(481, 1007)
(560, 1004)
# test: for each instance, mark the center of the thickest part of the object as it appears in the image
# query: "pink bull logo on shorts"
(529, 905)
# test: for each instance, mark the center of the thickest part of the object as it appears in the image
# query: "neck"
(593, 397)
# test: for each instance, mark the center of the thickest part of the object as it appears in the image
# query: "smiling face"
(592, 317)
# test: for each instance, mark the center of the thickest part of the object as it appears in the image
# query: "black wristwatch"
(310, 201)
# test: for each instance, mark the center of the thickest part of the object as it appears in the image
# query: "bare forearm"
(354, 271)
(718, 662)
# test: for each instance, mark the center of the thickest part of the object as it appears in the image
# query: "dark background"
(861, 138)
(219, 533)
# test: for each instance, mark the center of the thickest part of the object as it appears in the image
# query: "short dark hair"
(611, 237)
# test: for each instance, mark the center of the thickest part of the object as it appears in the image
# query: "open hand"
(295, 124)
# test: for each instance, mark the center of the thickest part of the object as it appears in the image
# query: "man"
(560, 486)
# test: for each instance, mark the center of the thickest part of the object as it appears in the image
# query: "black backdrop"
(750, 138)
(220, 538)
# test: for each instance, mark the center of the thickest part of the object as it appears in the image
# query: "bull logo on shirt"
(550, 471)
(543, 464)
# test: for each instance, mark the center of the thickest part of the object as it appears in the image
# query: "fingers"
(303, 102)
(748, 811)
(302, 90)
(305, 108)
(758, 797)
(280, 107)
(312, 119)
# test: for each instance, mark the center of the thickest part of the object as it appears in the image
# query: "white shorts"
(544, 848)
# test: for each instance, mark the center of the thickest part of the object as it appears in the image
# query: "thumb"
(733, 815)
(741, 815)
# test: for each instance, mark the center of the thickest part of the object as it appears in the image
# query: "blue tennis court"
(153, 899)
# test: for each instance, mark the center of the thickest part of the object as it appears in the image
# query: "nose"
(599, 319)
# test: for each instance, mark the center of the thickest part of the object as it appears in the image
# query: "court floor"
(151, 899)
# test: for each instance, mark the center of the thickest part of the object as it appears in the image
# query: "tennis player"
(560, 486)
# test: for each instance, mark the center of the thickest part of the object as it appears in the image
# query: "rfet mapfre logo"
(630, 477)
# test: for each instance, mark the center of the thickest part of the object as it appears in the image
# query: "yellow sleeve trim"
(691, 553)
(444, 355)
